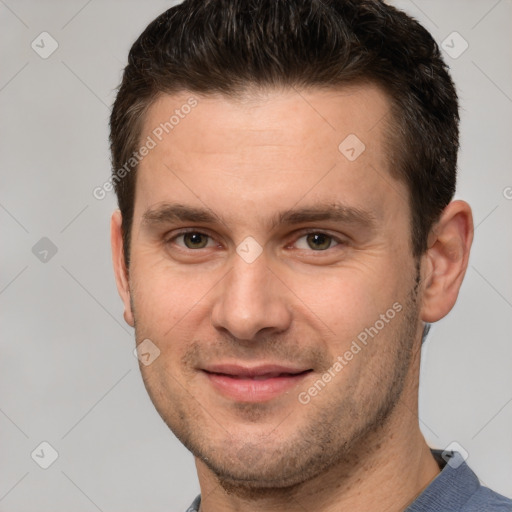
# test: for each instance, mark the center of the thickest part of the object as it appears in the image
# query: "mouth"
(255, 384)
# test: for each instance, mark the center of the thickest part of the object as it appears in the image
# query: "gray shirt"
(455, 489)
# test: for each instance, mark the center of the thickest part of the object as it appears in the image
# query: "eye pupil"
(319, 241)
(195, 240)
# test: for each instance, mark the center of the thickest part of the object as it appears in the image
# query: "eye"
(192, 240)
(317, 241)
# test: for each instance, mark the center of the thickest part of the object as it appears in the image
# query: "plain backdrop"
(68, 376)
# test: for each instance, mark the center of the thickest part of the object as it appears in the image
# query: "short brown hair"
(230, 46)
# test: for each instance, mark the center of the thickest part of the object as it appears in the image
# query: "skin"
(357, 444)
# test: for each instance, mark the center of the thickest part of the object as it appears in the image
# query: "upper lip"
(270, 370)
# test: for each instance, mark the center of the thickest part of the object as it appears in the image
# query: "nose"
(251, 300)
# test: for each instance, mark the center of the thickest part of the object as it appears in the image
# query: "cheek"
(164, 297)
(347, 300)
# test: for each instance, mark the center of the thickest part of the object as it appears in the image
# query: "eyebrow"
(331, 212)
(167, 213)
(175, 212)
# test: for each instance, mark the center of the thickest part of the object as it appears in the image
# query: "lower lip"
(251, 390)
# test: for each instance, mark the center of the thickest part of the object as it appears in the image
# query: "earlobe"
(120, 270)
(446, 260)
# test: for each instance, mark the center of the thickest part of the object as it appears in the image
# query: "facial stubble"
(335, 432)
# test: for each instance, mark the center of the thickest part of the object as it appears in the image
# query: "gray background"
(67, 372)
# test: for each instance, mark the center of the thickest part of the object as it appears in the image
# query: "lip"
(254, 384)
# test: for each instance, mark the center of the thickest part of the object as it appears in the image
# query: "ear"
(446, 260)
(120, 270)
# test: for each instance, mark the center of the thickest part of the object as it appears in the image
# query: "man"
(285, 172)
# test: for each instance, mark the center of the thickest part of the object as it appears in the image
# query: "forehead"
(269, 150)
(271, 117)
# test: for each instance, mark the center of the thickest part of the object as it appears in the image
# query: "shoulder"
(488, 500)
(457, 488)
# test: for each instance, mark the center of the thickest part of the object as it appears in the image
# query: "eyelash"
(298, 236)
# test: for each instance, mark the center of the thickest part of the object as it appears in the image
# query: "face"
(271, 266)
